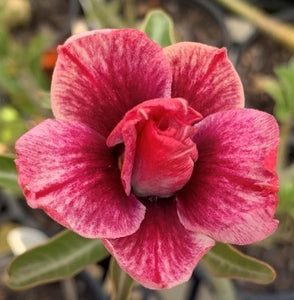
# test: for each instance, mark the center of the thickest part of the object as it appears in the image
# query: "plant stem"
(285, 129)
(129, 12)
(122, 282)
(222, 288)
(279, 31)
(100, 10)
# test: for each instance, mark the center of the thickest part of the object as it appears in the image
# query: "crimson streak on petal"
(232, 194)
(162, 253)
(66, 169)
(100, 75)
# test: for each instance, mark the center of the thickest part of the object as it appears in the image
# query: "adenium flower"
(152, 151)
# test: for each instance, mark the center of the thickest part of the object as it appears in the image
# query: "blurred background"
(261, 50)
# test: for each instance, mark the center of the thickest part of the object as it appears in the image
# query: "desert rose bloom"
(152, 151)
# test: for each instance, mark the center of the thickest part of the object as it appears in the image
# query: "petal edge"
(232, 195)
(205, 77)
(66, 169)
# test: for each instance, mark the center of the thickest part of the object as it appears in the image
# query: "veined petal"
(232, 194)
(162, 253)
(66, 169)
(205, 77)
(159, 154)
(100, 75)
(163, 164)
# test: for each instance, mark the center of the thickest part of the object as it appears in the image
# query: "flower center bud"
(159, 152)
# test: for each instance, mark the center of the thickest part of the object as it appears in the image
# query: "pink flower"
(151, 151)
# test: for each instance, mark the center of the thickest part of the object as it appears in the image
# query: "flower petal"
(232, 195)
(162, 253)
(163, 164)
(66, 169)
(157, 139)
(100, 75)
(205, 77)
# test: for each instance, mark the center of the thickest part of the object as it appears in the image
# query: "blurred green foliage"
(8, 174)
(103, 14)
(281, 89)
(12, 124)
(22, 83)
(62, 256)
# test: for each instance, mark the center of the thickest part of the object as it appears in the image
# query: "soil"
(195, 22)
(53, 13)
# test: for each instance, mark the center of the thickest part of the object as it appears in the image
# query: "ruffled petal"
(66, 169)
(162, 253)
(163, 164)
(100, 75)
(232, 194)
(205, 77)
(159, 154)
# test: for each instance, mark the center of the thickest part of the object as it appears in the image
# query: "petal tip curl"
(213, 83)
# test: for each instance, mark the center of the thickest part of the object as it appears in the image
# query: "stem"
(222, 288)
(122, 282)
(129, 12)
(101, 11)
(279, 31)
(285, 129)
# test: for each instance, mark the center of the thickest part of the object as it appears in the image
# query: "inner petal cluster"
(159, 154)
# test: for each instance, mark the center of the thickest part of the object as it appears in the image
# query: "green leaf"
(274, 89)
(8, 173)
(159, 27)
(221, 288)
(122, 282)
(286, 196)
(34, 51)
(223, 260)
(62, 256)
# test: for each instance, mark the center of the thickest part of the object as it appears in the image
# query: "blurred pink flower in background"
(151, 151)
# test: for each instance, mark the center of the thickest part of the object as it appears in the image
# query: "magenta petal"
(232, 195)
(66, 169)
(162, 253)
(101, 74)
(205, 77)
